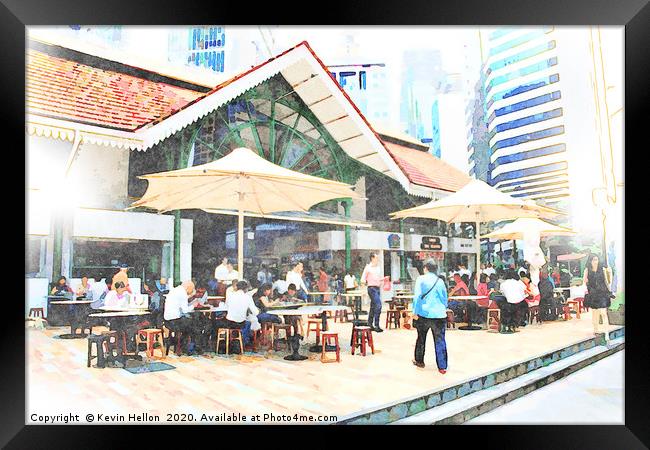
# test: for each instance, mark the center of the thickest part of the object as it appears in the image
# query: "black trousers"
(437, 327)
(507, 313)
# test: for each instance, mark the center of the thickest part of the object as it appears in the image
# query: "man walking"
(430, 313)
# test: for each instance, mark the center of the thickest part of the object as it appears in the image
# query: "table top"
(286, 305)
(71, 302)
(117, 308)
(306, 310)
(322, 293)
(120, 314)
(560, 289)
(352, 294)
(468, 297)
(403, 296)
(208, 310)
(216, 297)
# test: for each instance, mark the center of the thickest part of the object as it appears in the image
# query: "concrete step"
(473, 405)
(398, 410)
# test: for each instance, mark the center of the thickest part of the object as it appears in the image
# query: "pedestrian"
(372, 278)
(514, 291)
(430, 313)
(598, 296)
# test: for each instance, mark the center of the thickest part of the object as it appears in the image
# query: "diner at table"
(241, 313)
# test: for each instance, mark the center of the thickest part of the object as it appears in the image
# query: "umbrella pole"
(240, 244)
(478, 249)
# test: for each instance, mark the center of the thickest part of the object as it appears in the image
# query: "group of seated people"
(244, 311)
(513, 295)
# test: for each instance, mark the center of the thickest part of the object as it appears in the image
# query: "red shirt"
(483, 291)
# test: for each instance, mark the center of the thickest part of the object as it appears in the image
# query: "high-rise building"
(543, 99)
(202, 46)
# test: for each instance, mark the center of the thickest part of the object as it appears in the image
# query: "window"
(35, 255)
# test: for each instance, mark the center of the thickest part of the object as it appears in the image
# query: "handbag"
(427, 293)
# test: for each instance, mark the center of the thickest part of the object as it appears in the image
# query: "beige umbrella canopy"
(477, 202)
(516, 229)
(242, 181)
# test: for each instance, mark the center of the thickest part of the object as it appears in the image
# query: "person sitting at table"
(459, 289)
(232, 288)
(122, 276)
(262, 300)
(61, 287)
(117, 298)
(280, 285)
(350, 282)
(232, 274)
(514, 291)
(290, 296)
(547, 303)
(238, 304)
(493, 283)
(294, 277)
(97, 293)
(531, 290)
(83, 288)
(177, 309)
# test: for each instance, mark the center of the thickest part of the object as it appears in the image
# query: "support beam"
(402, 260)
(347, 204)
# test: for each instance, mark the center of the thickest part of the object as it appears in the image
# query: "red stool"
(332, 339)
(361, 335)
(266, 335)
(316, 327)
(493, 319)
(566, 309)
(533, 314)
(150, 336)
(392, 318)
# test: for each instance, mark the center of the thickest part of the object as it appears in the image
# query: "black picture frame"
(633, 14)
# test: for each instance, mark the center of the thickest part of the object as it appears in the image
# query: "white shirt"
(238, 305)
(514, 290)
(97, 289)
(113, 300)
(221, 272)
(176, 303)
(349, 281)
(462, 272)
(281, 286)
(489, 271)
(234, 275)
(295, 278)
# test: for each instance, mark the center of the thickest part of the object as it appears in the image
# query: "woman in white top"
(295, 277)
(372, 277)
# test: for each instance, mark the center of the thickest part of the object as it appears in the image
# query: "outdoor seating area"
(253, 378)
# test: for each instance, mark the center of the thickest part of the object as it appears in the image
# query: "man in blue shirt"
(430, 312)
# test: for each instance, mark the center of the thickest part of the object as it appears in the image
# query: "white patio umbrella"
(517, 229)
(477, 202)
(241, 181)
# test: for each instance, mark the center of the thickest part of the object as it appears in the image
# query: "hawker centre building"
(93, 125)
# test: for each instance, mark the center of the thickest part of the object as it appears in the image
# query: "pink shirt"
(372, 275)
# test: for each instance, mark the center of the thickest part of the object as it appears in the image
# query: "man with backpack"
(430, 313)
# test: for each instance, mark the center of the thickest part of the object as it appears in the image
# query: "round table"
(118, 322)
(469, 326)
(74, 314)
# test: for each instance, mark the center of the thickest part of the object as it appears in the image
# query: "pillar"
(177, 247)
(347, 204)
(402, 262)
(57, 225)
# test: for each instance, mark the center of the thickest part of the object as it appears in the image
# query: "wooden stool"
(581, 304)
(576, 306)
(451, 323)
(266, 334)
(151, 336)
(98, 340)
(341, 315)
(113, 352)
(393, 318)
(226, 334)
(174, 340)
(566, 310)
(533, 313)
(332, 339)
(493, 319)
(37, 312)
(317, 327)
(361, 335)
(276, 334)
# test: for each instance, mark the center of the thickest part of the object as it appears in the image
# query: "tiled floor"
(593, 395)
(59, 381)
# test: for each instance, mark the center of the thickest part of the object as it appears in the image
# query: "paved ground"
(593, 395)
(59, 382)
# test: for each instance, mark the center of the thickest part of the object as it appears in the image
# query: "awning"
(571, 257)
(296, 216)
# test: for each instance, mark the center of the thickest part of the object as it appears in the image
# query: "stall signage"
(430, 243)
(394, 241)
